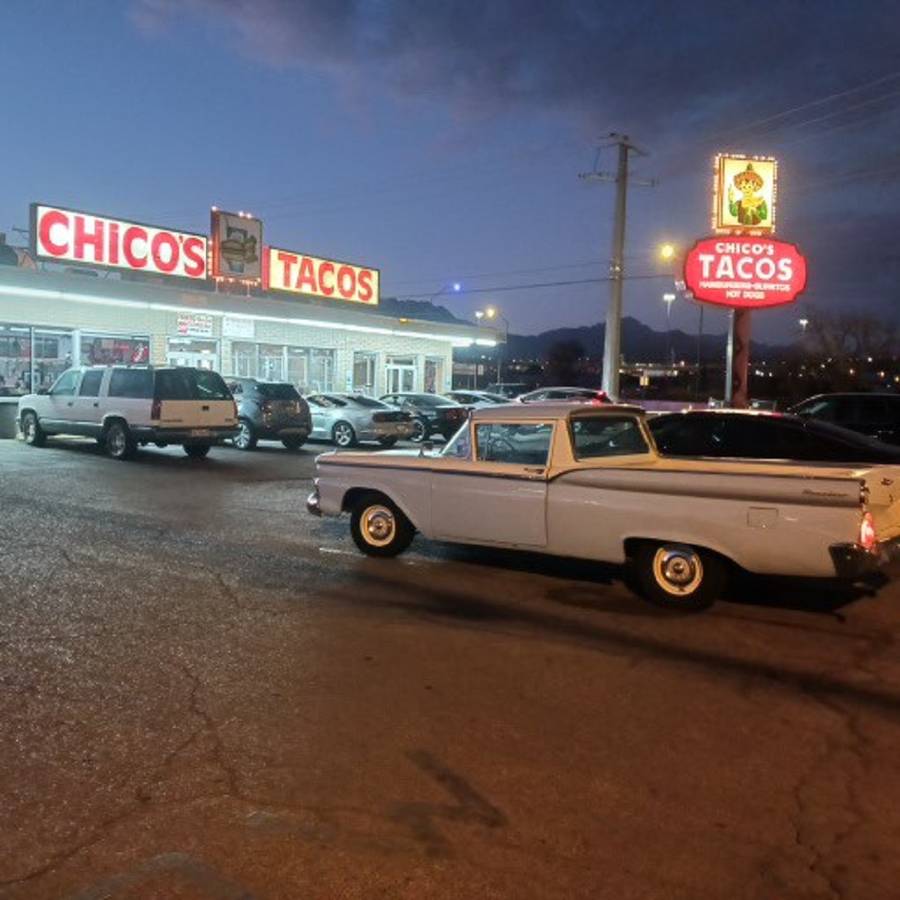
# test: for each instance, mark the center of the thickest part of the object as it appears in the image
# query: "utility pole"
(612, 343)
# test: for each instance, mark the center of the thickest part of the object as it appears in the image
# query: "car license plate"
(200, 432)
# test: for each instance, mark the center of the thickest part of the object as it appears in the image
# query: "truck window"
(607, 436)
(90, 383)
(519, 443)
(136, 384)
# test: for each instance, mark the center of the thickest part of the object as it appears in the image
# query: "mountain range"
(640, 342)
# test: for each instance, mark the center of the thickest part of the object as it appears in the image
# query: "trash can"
(8, 408)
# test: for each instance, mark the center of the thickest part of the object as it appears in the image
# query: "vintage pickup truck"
(587, 481)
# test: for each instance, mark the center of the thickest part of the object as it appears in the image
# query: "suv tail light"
(867, 538)
(156, 409)
(234, 411)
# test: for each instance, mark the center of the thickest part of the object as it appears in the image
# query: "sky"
(443, 142)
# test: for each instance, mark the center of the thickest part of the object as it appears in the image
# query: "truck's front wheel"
(378, 527)
(679, 576)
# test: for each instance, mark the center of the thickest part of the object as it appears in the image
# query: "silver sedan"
(347, 419)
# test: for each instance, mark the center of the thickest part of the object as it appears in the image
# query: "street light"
(667, 252)
(803, 324)
(452, 287)
(668, 299)
(491, 312)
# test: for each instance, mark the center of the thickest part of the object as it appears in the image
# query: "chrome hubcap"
(418, 431)
(116, 441)
(678, 570)
(342, 435)
(29, 428)
(378, 525)
(243, 438)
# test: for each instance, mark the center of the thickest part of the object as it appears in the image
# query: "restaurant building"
(94, 290)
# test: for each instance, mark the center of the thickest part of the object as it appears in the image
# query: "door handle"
(96, 405)
(205, 408)
(535, 470)
(71, 403)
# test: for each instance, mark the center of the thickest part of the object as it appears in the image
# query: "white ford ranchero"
(587, 481)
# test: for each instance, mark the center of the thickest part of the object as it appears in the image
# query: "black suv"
(269, 411)
(431, 414)
(877, 415)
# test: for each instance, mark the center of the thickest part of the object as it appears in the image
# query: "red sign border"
(746, 237)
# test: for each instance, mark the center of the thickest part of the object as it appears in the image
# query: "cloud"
(641, 62)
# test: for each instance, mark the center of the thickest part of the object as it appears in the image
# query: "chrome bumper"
(312, 504)
(852, 561)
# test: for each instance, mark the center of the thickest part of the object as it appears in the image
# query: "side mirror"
(427, 447)
(43, 391)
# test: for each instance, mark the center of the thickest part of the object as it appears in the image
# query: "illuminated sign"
(237, 247)
(745, 272)
(66, 235)
(297, 273)
(745, 194)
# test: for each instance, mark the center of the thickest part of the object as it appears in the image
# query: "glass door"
(400, 374)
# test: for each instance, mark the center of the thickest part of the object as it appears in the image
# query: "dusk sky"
(443, 142)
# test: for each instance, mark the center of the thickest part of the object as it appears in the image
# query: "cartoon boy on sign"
(745, 194)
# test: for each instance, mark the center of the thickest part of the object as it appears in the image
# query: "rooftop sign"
(297, 273)
(67, 235)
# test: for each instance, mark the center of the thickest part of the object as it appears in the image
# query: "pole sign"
(745, 272)
(298, 273)
(66, 235)
(236, 246)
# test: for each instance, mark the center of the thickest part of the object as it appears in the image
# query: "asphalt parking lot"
(205, 693)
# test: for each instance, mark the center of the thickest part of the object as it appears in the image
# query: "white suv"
(123, 406)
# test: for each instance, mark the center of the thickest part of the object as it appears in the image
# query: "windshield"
(368, 402)
(429, 400)
(190, 384)
(278, 391)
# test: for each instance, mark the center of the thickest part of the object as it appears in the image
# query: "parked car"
(569, 394)
(476, 399)
(431, 414)
(347, 419)
(268, 410)
(877, 415)
(759, 435)
(586, 481)
(509, 389)
(127, 406)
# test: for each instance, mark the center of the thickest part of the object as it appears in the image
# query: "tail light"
(867, 539)
(156, 409)
(234, 412)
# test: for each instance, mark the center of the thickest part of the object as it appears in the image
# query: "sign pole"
(729, 358)
(740, 338)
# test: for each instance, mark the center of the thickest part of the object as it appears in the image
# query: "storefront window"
(194, 353)
(104, 350)
(364, 372)
(400, 374)
(244, 359)
(298, 368)
(15, 359)
(271, 362)
(434, 375)
(52, 356)
(321, 370)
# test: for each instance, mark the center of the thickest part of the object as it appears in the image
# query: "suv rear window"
(190, 384)
(278, 391)
(134, 383)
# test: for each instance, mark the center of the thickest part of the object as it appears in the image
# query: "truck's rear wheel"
(679, 576)
(378, 527)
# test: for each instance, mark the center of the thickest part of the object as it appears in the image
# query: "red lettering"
(113, 245)
(194, 257)
(132, 234)
(365, 285)
(48, 220)
(164, 239)
(326, 268)
(287, 260)
(306, 277)
(343, 273)
(85, 238)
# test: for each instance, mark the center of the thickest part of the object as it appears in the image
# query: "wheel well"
(110, 419)
(354, 495)
(633, 544)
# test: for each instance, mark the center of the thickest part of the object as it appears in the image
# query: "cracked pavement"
(204, 693)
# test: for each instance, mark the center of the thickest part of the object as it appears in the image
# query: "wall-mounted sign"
(745, 272)
(300, 274)
(745, 194)
(66, 235)
(233, 327)
(237, 247)
(195, 325)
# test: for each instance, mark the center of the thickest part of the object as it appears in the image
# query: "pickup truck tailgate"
(883, 484)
